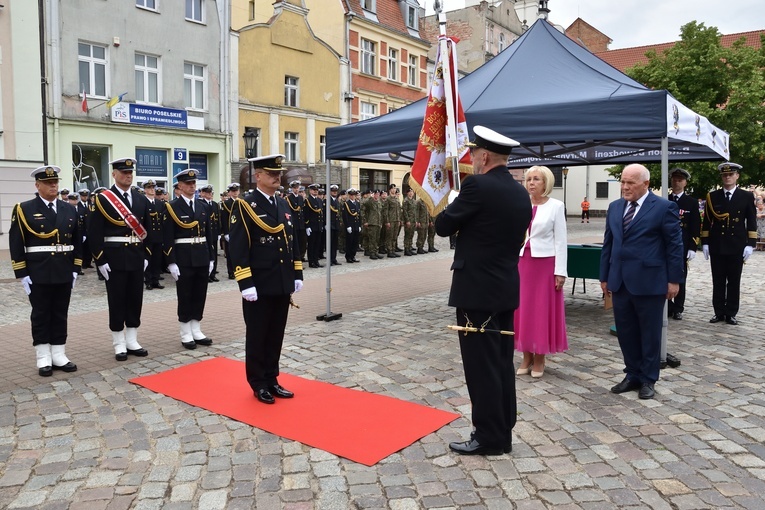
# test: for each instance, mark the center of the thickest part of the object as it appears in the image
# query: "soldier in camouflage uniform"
(409, 220)
(372, 221)
(393, 221)
(423, 218)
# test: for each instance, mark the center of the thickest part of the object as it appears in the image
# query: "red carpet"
(360, 426)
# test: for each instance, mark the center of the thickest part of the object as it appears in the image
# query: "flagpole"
(451, 116)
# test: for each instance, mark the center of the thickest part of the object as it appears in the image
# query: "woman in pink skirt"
(540, 320)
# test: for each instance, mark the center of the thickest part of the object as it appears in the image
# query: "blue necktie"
(630, 214)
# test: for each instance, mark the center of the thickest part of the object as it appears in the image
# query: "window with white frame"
(195, 10)
(147, 84)
(291, 146)
(368, 110)
(501, 42)
(322, 148)
(194, 86)
(413, 71)
(368, 57)
(290, 91)
(147, 4)
(369, 5)
(392, 64)
(411, 17)
(93, 64)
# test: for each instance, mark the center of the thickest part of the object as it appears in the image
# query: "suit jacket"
(156, 214)
(214, 210)
(649, 254)
(263, 249)
(297, 203)
(351, 216)
(313, 211)
(491, 232)
(180, 222)
(690, 222)
(334, 213)
(105, 221)
(729, 225)
(225, 214)
(33, 224)
(83, 211)
(547, 237)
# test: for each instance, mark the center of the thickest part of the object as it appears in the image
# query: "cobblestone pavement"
(91, 440)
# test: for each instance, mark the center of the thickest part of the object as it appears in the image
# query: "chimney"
(543, 11)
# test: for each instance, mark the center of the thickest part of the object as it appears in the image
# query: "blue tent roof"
(561, 102)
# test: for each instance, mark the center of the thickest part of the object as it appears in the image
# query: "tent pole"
(449, 95)
(328, 316)
(664, 194)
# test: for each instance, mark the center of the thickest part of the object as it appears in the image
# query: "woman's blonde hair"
(547, 176)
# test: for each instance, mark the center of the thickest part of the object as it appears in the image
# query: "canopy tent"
(561, 102)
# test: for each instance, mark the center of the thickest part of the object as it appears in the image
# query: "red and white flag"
(432, 175)
(84, 101)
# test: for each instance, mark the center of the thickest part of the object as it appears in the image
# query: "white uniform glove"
(308, 231)
(145, 264)
(74, 278)
(691, 255)
(250, 294)
(226, 236)
(174, 271)
(105, 270)
(27, 283)
(298, 285)
(212, 265)
(350, 230)
(705, 250)
(84, 238)
(452, 195)
(747, 252)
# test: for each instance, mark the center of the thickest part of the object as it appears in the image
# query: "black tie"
(630, 214)
(727, 195)
(191, 204)
(52, 209)
(271, 200)
(127, 200)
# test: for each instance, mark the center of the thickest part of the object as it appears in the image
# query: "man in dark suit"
(153, 240)
(206, 192)
(45, 244)
(266, 255)
(728, 236)
(485, 287)
(190, 251)
(119, 223)
(641, 266)
(690, 224)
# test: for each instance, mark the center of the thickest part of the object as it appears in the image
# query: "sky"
(641, 22)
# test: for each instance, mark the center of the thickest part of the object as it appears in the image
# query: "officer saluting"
(45, 244)
(119, 224)
(190, 251)
(268, 268)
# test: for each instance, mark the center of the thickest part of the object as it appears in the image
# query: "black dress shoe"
(189, 345)
(45, 371)
(279, 391)
(205, 341)
(69, 367)
(214, 278)
(646, 391)
(336, 263)
(731, 320)
(355, 260)
(715, 319)
(148, 286)
(265, 396)
(398, 250)
(473, 447)
(672, 361)
(625, 386)
(432, 250)
(121, 356)
(138, 352)
(678, 316)
(231, 276)
(158, 286)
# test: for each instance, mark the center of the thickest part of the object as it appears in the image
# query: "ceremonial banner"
(432, 172)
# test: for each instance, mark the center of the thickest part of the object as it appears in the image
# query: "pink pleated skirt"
(540, 320)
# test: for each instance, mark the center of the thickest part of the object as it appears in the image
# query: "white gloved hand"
(210, 270)
(747, 252)
(105, 270)
(174, 271)
(84, 238)
(226, 236)
(452, 195)
(74, 278)
(705, 250)
(27, 283)
(145, 264)
(308, 231)
(250, 294)
(350, 230)
(298, 285)
(691, 255)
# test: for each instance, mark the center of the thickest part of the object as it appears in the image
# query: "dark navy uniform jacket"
(729, 225)
(180, 222)
(105, 222)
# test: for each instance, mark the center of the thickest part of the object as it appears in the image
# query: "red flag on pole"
(442, 139)
(84, 101)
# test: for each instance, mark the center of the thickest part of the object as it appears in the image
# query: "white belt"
(191, 240)
(131, 239)
(58, 248)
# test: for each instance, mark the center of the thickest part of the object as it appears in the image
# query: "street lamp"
(250, 140)
(565, 178)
